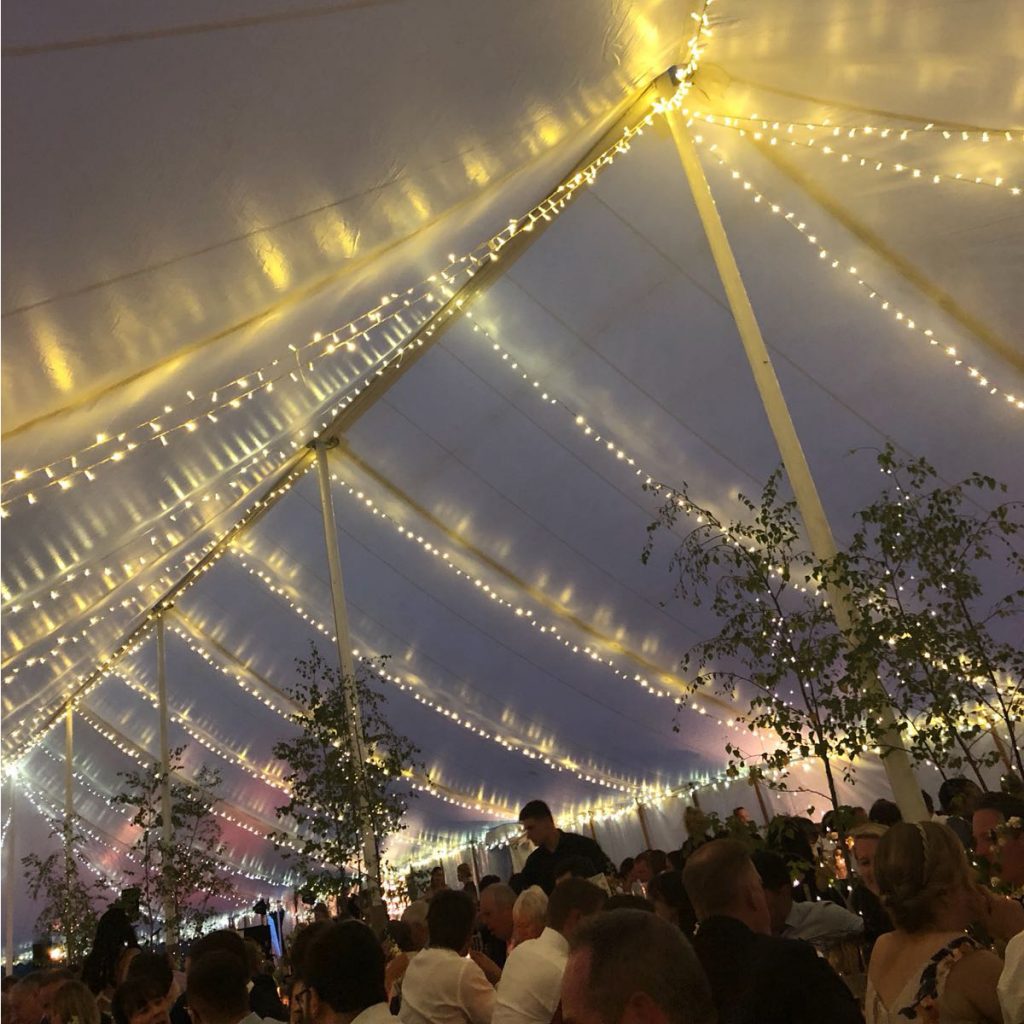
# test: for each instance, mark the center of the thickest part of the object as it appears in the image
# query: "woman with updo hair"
(928, 969)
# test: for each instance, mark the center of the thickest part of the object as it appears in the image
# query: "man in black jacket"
(554, 847)
(755, 977)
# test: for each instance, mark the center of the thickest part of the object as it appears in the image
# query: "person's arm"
(492, 972)
(975, 978)
(476, 994)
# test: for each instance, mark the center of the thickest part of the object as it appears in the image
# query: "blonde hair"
(869, 830)
(74, 1002)
(916, 868)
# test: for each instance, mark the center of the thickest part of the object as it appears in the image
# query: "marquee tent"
(228, 230)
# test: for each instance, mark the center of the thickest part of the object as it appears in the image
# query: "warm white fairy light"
(829, 147)
(829, 259)
(549, 755)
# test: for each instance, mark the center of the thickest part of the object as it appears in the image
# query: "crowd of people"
(724, 929)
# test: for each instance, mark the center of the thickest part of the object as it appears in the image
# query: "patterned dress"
(920, 999)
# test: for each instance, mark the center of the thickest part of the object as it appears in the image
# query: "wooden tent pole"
(166, 814)
(896, 761)
(69, 755)
(755, 782)
(643, 825)
(343, 642)
(12, 861)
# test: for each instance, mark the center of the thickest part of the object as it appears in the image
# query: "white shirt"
(441, 987)
(377, 1014)
(1011, 981)
(821, 919)
(531, 983)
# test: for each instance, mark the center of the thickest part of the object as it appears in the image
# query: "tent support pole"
(755, 782)
(166, 820)
(641, 814)
(343, 640)
(896, 761)
(69, 755)
(12, 861)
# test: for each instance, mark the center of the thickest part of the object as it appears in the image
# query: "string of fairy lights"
(777, 133)
(758, 198)
(493, 248)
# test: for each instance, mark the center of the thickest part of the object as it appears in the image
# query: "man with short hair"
(529, 915)
(630, 966)
(755, 977)
(217, 989)
(531, 983)
(345, 976)
(441, 985)
(812, 920)
(957, 797)
(496, 904)
(555, 846)
(1005, 853)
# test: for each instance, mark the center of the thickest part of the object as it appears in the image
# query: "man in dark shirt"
(554, 847)
(756, 978)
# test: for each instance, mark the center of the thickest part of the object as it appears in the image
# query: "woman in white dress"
(929, 970)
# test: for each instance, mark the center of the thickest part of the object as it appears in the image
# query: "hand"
(492, 972)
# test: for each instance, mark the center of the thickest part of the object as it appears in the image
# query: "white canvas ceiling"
(189, 201)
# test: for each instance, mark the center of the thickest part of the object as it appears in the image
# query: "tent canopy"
(218, 231)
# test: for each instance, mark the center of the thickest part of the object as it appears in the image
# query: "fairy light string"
(743, 182)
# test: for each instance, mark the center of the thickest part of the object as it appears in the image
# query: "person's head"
(957, 796)
(1003, 847)
(450, 920)
(778, 886)
(50, 980)
(575, 867)
(415, 916)
(114, 934)
(464, 873)
(320, 912)
(571, 902)
(538, 823)
(529, 914)
(221, 941)
(217, 988)
(437, 878)
(629, 901)
(884, 812)
(923, 877)
(648, 864)
(344, 972)
(858, 816)
(496, 903)
(27, 999)
(302, 939)
(668, 895)
(488, 880)
(865, 843)
(741, 814)
(626, 869)
(152, 965)
(140, 1001)
(72, 1001)
(720, 879)
(629, 966)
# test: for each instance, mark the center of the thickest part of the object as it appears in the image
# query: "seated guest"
(629, 901)
(884, 812)
(648, 864)
(626, 871)
(217, 989)
(345, 976)
(73, 1003)
(140, 1001)
(496, 903)
(815, 920)
(1001, 846)
(629, 967)
(865, 900)
(441, 986)
(928, 968)
(529, 915)
(554, 846)
(531, 982)
(670, 901)
(755, 977)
